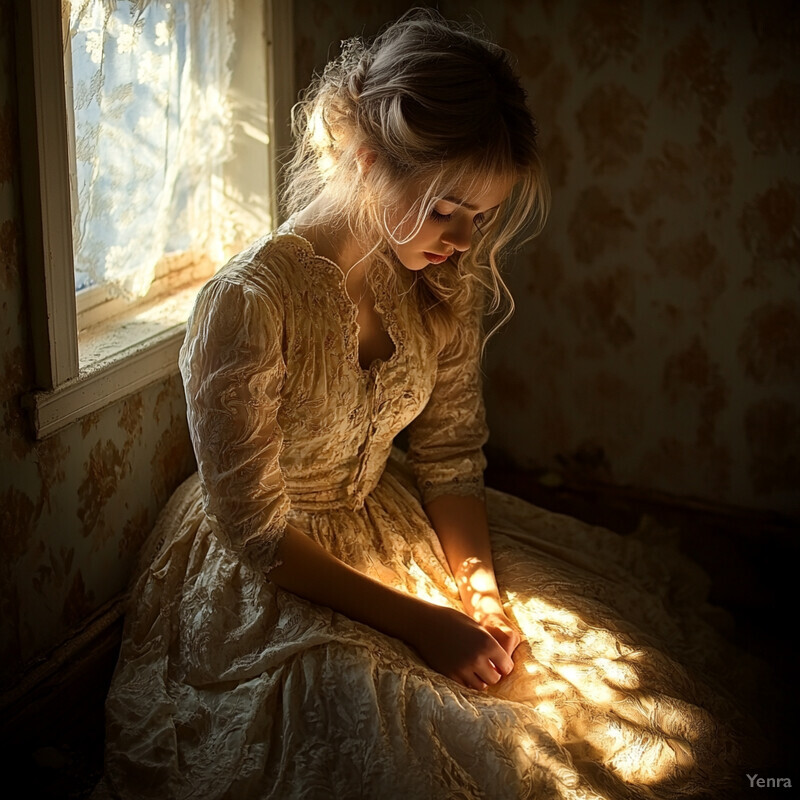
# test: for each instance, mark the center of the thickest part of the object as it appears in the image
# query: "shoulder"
(271, 270)
(273, 264)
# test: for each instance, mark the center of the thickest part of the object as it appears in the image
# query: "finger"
(502, 662)
(490, 674)
(512, 642)
(486, 671)
(470, 680)
(478, 684)
(506, 639)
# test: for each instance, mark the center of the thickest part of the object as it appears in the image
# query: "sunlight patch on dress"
(584, 684)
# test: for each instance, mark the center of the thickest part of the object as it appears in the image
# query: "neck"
(330, 238)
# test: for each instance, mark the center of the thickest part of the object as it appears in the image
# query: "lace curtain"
(152, 129)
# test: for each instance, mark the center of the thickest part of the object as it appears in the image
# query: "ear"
(365, 158)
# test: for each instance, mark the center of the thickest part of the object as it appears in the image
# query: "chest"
(349, 365)
(373, 340)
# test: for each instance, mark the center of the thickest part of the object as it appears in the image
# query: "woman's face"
(450, 226)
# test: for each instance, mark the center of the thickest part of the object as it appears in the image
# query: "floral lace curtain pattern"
(152, 132)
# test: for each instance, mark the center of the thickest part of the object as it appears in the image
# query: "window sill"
(117, 358)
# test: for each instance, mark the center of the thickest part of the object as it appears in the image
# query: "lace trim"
(349, 309)
(462, 487)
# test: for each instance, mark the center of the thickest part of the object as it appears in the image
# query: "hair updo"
(440, 107)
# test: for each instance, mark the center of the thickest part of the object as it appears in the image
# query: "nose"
(458, 235)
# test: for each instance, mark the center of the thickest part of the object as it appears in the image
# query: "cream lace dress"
(229, 687)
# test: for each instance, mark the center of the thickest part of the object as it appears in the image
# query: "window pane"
(153, 127)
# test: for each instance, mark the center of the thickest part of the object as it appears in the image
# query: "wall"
(75, 507)
(657, 338)
(657, 342)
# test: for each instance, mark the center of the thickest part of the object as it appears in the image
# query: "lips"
(435, 258)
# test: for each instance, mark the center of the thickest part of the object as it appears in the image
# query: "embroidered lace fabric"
(229, 687)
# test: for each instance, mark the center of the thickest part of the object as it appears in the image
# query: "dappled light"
(587, 687)
(420, 584)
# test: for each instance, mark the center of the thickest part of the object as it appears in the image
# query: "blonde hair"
(437, 105)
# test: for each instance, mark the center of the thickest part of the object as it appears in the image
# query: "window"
(150, 138)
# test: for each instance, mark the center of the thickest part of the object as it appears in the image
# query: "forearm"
(462, 527)
(308, 570)
(447, 640)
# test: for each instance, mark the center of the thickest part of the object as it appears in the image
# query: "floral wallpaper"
(74, 507)
(657, 338)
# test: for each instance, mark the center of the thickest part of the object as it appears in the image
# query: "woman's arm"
(462, 527)
(447, 640)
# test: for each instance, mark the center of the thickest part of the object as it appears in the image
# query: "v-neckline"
(350, 311)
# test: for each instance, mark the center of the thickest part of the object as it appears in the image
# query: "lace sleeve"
(446, 439)
(233, 370)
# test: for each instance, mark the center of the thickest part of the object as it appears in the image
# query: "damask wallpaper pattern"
(656, 342)
(74, 507)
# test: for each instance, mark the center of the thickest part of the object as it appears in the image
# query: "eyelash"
(439, 217)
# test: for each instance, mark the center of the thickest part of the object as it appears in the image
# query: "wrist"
(488, 605)
(420, 618)
(402, 615)
(477, 587)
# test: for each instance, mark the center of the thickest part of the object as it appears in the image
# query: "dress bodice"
(282, 414)
(338, 419)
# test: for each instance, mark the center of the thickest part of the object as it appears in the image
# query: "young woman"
(323, 616)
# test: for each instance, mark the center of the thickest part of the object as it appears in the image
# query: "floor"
(751, 561)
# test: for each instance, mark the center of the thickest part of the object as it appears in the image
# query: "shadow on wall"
(656, 343)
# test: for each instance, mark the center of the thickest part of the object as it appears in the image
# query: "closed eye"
(439, 217)
(478, 219)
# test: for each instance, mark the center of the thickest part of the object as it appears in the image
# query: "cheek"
(426, 234)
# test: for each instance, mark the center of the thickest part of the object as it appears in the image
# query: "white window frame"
(66, 392)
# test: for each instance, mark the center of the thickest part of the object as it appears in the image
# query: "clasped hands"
(475, 647)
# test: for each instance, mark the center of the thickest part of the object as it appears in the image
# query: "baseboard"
(67, 688)
(555, 490)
